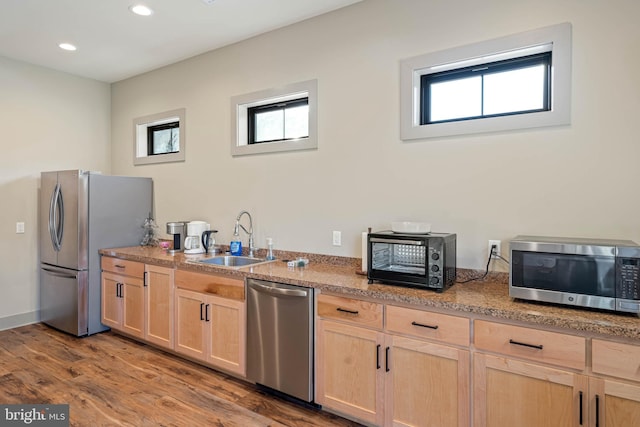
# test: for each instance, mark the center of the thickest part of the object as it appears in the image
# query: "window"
(516, 86)
(515, 82)
(160, 138)
(273, 120)
(163, 139)
(279, 122)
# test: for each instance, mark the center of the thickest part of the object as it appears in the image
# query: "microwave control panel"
(628, 277)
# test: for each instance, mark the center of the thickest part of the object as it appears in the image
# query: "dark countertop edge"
(427, 298)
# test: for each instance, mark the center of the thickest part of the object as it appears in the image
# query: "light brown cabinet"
(427, 384)
(380, 377)
(123, 296)
(508, 391)
(159, 310)
(210, 327)
(349, 372)
(615, 402)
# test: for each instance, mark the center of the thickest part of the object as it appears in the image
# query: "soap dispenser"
(235, 246)
(270, 255)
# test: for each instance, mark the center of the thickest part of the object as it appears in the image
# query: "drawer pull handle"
(597, 411)
(201, 311)
(378, 356)
(524, 344)
(344, 310)
(422, 325)
(119, 266)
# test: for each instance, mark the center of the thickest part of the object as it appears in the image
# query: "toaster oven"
(417, 260)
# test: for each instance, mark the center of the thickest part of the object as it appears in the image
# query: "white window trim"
(411, 69)
(140, 126)
(240, 105)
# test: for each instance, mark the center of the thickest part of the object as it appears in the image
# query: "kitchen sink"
(233, 261)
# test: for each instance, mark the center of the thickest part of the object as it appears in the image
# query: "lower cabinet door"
(613, 404)
(111, 305)
(133, 307)
(350, 370)
(190, 324)
(427, 384)
(508, 392)
(159, 310)
(226, 327)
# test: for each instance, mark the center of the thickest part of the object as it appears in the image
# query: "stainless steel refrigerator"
(79, 213)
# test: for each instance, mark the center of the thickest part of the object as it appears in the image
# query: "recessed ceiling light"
(140, 9)
(67, 46)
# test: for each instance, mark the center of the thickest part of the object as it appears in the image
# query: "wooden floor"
(111, 380)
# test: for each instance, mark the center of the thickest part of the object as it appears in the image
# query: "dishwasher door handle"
(279, 291)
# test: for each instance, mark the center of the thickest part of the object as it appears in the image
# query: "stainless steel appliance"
(602, 274)
(179, 230)
(280, 337)
(420, 260)
(79, 213)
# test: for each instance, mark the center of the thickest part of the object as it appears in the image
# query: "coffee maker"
(178, 229)
(193, 243)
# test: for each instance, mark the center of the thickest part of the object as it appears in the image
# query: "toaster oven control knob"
(434, 281)
(435, 268)
(435, 256)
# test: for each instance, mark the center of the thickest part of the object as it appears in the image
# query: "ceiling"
(114, 44)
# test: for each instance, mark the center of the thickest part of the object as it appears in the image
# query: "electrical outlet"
(337, 238)
(497, 251)
(20, 227)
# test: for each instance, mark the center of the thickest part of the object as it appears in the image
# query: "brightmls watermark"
(34, 415)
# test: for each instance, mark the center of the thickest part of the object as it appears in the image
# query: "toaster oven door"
(398, 260)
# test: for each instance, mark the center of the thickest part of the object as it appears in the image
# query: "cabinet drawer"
(222, 286)
(533, 344)
(121, 266)
(441, 327)
(350, 310)
(616, 359)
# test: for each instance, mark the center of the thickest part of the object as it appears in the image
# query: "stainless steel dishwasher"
(280, 337)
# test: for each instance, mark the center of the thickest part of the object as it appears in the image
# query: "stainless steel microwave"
(601, 274)
(418, 260)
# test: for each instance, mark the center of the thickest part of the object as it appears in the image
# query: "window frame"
(151, 137)
(555, 38)
(276, 106)
(485, 69)
(241, 104)
(143, 152)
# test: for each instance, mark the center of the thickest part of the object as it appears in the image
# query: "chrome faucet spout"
(249, 232)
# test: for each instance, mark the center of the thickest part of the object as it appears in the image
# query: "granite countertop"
(338, 276)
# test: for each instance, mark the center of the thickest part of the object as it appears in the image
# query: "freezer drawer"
(63, 299)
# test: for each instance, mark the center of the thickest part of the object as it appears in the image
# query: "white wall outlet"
(19, 227)
(497, 251)
(337, 238)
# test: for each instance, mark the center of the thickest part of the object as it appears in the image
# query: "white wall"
(577, 180)
(50, 121)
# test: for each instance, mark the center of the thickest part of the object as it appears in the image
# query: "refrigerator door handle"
(56, 218)
(59, 274)
(52, 208)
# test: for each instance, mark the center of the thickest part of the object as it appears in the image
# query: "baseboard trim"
(10, 322)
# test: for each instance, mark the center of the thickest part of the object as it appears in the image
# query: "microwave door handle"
(397, 241)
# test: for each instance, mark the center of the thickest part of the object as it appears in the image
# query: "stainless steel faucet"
(236, 231)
